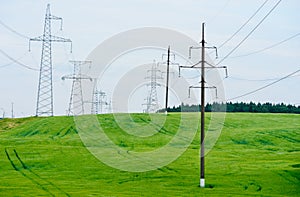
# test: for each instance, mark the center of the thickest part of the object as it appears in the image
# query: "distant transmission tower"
(76, 98)
(98, 100)
(151, 101)
(44, 105)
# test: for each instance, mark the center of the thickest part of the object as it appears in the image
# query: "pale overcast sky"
(90, 22)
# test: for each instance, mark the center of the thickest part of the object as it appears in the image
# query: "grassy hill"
(256, 154)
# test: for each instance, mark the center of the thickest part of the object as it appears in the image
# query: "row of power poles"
(44, 105)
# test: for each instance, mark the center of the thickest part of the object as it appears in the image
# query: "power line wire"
(14, 31)
(243, 24)
(267, 48)
(10, 63)
(218, 12)
(256, 80)
(17, 62)
(242, 41)
(265, 86)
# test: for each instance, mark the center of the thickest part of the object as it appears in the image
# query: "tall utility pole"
(76, 99)
(152, 101)
(202, 160)
(167, 81)
(169, 63)
(44, 105)
(202, 96)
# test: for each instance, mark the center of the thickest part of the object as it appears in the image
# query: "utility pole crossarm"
(198, 47)
(76, 77)
(55, 17)
(81, 62)
(204, 67)
(59, 39)
(211, 87)
(51, 38)
(39, 38)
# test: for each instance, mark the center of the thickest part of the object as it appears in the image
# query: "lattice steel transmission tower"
(76, 99)
(99, 101)
(44, 106)
(152, 104)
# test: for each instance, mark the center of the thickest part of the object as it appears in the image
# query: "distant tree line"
(237, 107)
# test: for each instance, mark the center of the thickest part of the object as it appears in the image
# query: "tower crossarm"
(59, 39)
(76, 77)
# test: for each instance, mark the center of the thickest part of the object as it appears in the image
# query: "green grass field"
(255, 155)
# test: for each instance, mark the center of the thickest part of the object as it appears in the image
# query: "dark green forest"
(238, 107)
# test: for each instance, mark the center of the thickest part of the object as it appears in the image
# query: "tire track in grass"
(34, 177)
(162, 169)
(163, 130)
(11, 162)
(29, 178)
(38, 176)
(129, 155)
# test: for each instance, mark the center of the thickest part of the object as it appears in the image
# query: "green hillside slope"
(256, 154)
